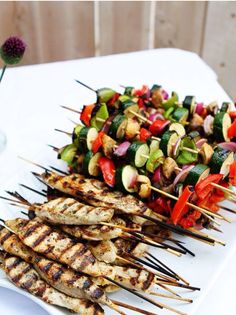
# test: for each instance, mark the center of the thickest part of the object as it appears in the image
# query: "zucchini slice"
(118, 127)
(86, 137)
(197, 173)
(180, 115)
(154, 145)
(138, 153)
(189, 103)
(221, 124)
(225, 107)
(168, 139)
(67, 153)
(178, 128)
(125, 178)
(221, 161)
(155, 159)
(90, 163)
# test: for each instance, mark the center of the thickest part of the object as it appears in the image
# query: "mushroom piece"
(169, 167)
(206, 153)
(108, 145)
(144, 189)
(132, 128)
(196, 121)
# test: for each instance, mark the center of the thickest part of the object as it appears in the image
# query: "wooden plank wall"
(68, 30)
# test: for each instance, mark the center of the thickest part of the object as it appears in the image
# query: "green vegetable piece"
(171, 102)
(180, 115)
(189, 103)
(198, 172)
(128, 90)
(221, 124)
(155, 159)
(168, 113)
(101, 116)
(138, 153)
(68, 153)
(186, 157)
(104, 95)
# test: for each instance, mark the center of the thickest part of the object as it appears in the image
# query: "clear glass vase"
(3, 141)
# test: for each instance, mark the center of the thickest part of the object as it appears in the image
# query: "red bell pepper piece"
(233, 115)
(143, 92)
(157, 126)
(160, 205)
(108, 170)
(86, 113)
(144, 134)
(97, 143)
(113, 100)
(232, 130)
(208, 204)
(204, 187)
(232, 174)
(180, 208)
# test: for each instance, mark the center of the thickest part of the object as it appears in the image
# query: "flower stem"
(3, 71)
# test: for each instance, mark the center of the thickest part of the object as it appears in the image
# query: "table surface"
(29, 101)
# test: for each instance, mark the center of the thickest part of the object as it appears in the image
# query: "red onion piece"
(176, 146)
(133, 180)
(199, 108)
(183, 174)
(155, 116)
(165, 95)
(156, 178)
(200, 143)
(107, 124)
(122, 148)
(231, 146)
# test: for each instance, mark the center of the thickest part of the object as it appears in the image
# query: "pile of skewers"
(178, 157)
(140, 166)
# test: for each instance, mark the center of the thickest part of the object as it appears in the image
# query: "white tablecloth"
(29, 105)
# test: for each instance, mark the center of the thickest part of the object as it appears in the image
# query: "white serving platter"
(30, 98)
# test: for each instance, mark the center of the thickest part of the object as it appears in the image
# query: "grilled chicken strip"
(70, 211)
(95, 232)
(95, 193)
(42, 239)
(56, 246)
(24, 276)
(61, 278)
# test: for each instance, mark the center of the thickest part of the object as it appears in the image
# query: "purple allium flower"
(12, 50)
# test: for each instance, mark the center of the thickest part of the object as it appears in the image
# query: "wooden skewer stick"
(86, 86)
(139, 266)
(227, 190)
(158, 304)
(177, 284)
(119, 227)
(62, 131)
(132, 308)
(71, 109)
(227, 209)
(206, 235)
(166, 267)
(172, 297)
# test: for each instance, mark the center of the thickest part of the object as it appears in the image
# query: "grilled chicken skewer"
(23, 275)
(61, 278)
(27, 235)
(96, 193)
(56, 214)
